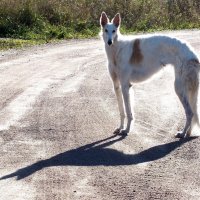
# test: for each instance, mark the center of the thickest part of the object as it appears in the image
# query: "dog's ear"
(117, 20)
(103, 19)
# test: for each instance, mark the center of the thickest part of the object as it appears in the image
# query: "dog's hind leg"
(192, 83)
(189, 115)
(186, 87)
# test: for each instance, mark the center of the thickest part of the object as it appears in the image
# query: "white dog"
(133, 60)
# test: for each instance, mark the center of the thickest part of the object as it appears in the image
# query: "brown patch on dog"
(114, 60)
(136, 56)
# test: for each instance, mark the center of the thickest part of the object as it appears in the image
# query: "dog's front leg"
(126, 97)
(118, 93)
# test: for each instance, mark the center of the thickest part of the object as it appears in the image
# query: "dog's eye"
(106, 30)
(113, 31)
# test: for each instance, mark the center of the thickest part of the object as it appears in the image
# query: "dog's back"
(167, 47)
(141, 57)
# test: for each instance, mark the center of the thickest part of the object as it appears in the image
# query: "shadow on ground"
(96, 154)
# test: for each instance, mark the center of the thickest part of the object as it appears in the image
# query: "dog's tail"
(193, 67)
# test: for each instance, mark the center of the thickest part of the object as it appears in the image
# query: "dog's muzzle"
(109, 42)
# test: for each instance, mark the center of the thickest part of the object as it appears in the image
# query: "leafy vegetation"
(42, 20)
(10, 43)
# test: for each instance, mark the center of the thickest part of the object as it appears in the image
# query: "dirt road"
(57, 115)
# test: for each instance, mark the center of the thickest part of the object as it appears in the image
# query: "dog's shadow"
(96, 154)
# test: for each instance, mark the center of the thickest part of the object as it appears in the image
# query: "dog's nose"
(109, 42)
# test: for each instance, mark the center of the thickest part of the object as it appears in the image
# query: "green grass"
(29, 22)
(10, 43)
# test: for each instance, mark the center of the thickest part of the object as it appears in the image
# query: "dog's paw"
(180, 135)
(124, 132)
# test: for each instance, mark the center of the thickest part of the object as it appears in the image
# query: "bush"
(42, 19)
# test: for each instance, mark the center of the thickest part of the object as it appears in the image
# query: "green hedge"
(59, 19)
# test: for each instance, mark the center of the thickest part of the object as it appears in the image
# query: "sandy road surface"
(57, 115)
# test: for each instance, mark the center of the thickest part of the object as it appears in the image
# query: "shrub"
(60, 19)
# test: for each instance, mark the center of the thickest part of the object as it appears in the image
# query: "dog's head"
(110, 29)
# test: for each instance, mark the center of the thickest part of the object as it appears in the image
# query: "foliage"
(60, 19)
(16, 43)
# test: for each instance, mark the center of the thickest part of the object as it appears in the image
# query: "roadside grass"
(9, 43)
(30, 37)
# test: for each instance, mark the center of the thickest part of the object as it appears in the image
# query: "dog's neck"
(112, 50)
